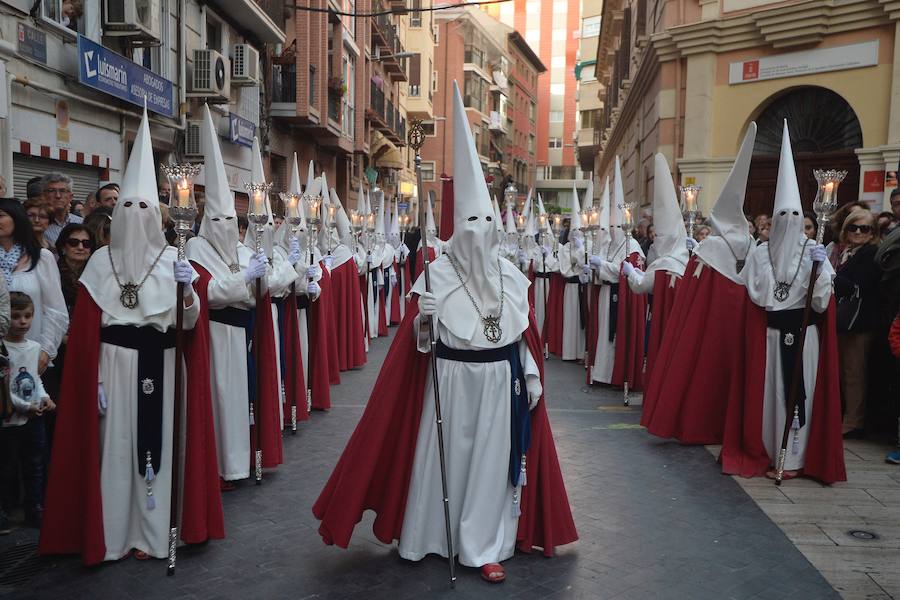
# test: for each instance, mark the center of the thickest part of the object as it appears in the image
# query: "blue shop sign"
(32, 43)
(240, 130)
(113, 74)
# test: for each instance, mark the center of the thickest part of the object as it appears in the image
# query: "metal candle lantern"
(313, 202)
(826, 197)
(689, 197)
(509, 194)
(627, 221)
(292, 210)
(256, 212)
(182, 206)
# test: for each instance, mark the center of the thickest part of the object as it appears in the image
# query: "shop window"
(65, 15)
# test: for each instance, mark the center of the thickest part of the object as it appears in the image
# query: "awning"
(384, 153)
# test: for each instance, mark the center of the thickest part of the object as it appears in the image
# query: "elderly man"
(57, 190)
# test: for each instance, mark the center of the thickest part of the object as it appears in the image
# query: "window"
(427, 170)
(68, 16)
(350, 22)
(587, 119)
(531, 143)
(157, 58)
(474, 55)
(432, 81)
(557, 89)
(588, 73)
(348, 112)
(560, 34)
(556, 116)
(415, 75)
(532, 111)
(429, 128)
(590, 27)
(312, 85)
(415, 18)
(474, 91)
(213, 33)
(554, 142)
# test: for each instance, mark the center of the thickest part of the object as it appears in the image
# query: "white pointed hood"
(603, 232)
(344, 232)
(510, 221)
(135, 243)
(361, 204)
(498, 218)
(731, 240)
(394, 232)
(379, 213)
(575, 217)
(541, 211)
(671, 252)
(283, 233)
(310, 178)
(258, 175)
(616, 252)
(219, 223)
(786, 238)
(430, 227)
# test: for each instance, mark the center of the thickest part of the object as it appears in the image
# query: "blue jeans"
(22, 451)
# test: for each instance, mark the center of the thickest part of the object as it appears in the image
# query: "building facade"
(552, 28)
(498, 76)
(686, 78)
(590, 91)
(78, 76)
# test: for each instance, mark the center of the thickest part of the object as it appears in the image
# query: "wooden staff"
(416, 139)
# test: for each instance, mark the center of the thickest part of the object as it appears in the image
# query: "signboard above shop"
(240, 130)
(807, 62)
(113, 74)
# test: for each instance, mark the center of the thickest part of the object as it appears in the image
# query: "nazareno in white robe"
(760, 283)
(228, 358)
(541, 264)
(302, 319)
(281, 276)
(127, 522)
(475, 403)
(571, 264)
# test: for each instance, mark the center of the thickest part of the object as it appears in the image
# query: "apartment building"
(685, 78)
(590, 91)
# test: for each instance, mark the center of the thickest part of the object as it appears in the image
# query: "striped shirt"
(52, 232)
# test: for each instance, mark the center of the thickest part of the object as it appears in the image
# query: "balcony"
(587, 144)
(497, 122)
(387, 42)
(262, 18)
(385, 117)
(285, 104)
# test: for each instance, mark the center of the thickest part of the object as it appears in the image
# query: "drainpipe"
(7, 51)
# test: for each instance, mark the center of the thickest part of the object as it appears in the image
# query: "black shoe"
(5, 528)
(855, 434)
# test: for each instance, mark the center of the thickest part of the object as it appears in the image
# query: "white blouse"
(42, 284)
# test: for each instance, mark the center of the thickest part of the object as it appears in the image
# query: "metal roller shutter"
(85, 179)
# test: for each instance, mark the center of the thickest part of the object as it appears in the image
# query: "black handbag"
(848, 310)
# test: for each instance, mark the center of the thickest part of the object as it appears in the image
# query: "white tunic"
(541, 264)
(228, 359)
(475, 403)
(571, 264)
(760, 284)
(127, 522)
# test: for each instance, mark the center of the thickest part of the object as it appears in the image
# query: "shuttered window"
(85, 179)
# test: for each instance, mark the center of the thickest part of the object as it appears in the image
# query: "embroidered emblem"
(147, 386)
(518, 388)
(615, 298)
(789, 339)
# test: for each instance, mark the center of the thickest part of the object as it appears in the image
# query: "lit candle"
(183, 199)
(689, 198)
(627, 218)
(259, 203)
(829, 190)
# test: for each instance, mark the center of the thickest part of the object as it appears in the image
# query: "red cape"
(375, 469)
(268, 402)
(348, 316)
(663, 300)
(294, 384)
(73, 512)
(701, 363)
(396, 295)
(321, 334)
(446, 207)
(382, 313)
(630, 332)
(743, 452)
(553, 316)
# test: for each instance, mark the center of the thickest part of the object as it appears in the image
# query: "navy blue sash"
(151, 344)
(788, 323)
(520, 422)
(613, 310)
(246, 320)
(282, 315)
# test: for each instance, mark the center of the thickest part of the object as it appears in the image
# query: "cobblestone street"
(656, 520)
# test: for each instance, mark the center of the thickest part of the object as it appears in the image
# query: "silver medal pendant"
(492, 330)
(234, 268)
(789, 339)
(129, 295)
(782, 289)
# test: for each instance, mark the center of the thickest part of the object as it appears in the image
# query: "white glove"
(393, 276)
(596, 261)
(102, 403)
(690, 243)
(256, 268)
(404, 251)
(818, 254)
(294, 254)
(627, 268)
(521, 255)
(328, 260)
(428, 304)
(579, 243)
(312, 271)
(586, 270)
(369, 259)
(313, 290)
(534, 388)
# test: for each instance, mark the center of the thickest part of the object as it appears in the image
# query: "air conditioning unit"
(211, 77)
(192, 145)
(133, 18)
(244, 65)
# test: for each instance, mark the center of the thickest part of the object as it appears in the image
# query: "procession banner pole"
(824, 205)
(183, 211)
(416, 139)
(258, 216)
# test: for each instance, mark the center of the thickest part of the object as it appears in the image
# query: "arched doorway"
(824, 133)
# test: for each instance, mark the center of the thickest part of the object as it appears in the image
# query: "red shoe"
(226, 486)
(493, 573)
(141, 555)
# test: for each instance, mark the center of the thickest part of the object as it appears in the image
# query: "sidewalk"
(850, 531)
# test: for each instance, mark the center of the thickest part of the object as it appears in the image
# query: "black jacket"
(861, 270)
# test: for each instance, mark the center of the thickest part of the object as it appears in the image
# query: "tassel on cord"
(795, 425)
(252, 417)
(523, 478)
(149, 477)
(516, 509)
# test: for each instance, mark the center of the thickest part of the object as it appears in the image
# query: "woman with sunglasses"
(856, 290)
(74, 246)
(39, 216)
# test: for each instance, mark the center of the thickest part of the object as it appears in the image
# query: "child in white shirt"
(22, 435)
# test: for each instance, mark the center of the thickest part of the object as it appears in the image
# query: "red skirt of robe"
(348, 316)
(631, 326)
